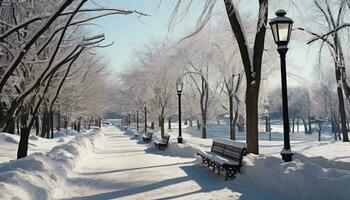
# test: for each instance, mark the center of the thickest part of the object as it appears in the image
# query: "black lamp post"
(179, 86)
(145, 120)
(137, 120)
(281, 29)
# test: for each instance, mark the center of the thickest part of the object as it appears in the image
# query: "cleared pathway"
(123, 168)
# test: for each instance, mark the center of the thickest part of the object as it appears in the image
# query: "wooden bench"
(163, 143)
(148, 137)
(225, 155)
(125, 128)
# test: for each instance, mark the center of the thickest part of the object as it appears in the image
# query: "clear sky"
(132, 31)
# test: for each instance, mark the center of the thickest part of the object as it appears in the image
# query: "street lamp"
(137, 120)
(145, 119)
(281, 29)
(179, 86)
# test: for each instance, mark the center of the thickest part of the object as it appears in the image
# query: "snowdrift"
(38, 175)
(8, 138)
(303, 178)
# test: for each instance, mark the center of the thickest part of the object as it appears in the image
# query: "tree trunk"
(78, 127)
(309, 123)
(305, 126)
(233, 136)
(319, 131)
(240, 123)
(18, 128)
(298, 125)
(252, 95)
(162, 130)
(169, 123)
(204, 126)
(58, 120)
(293, 123)
(23, 141)
(37, 126)
(51, 123)
(342, 115)
(90, 123)
(232, 128)
(10, 125)
(45, 125)
(338, 130)
(266, 124)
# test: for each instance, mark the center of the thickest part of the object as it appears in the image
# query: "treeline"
(49, 66)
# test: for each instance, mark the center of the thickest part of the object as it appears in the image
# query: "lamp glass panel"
(274, 32)
(283, 32)
(179, 87)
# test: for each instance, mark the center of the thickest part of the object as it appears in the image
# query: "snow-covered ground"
(112, 164)
(40, 175)
(9, 143)
(123, 167)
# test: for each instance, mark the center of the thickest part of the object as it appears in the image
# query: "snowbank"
(8, 138)
(299, 179)
(39, 174)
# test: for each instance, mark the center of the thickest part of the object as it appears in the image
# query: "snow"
(9, 143)
(126, 168)
(38, 175)
(286, 151)
(299, 179)
(113, 164)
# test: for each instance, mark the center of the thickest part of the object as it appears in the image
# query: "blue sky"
(131, 31)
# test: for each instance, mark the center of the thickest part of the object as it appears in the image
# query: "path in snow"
(119, 167)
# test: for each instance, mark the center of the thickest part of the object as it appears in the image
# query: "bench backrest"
(230, 149)
(149, 134)
(165, 139)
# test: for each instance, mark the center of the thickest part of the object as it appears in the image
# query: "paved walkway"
(121, 168)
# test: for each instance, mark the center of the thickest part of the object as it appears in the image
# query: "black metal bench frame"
(148, 137)
(162, 144)
(231, 152)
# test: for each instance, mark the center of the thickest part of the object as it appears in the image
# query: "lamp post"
(145, 120)
(179, 86)
(281, 29)
(137, 120)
